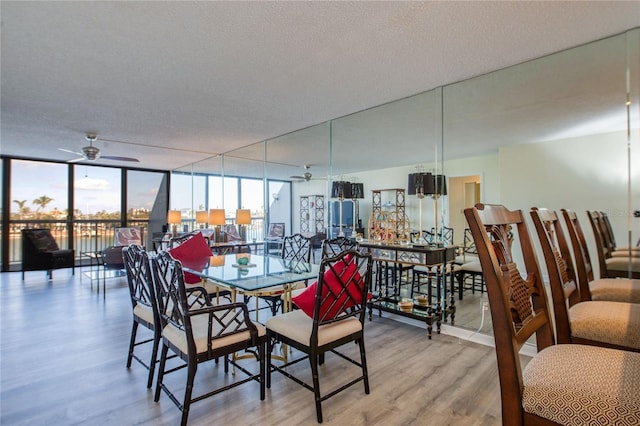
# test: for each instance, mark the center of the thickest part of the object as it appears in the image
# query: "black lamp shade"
(341, 189)
(440, 182)
(357, 190)
(420, 183)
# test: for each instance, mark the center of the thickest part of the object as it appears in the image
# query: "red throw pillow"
(193, 253)
(329, 310)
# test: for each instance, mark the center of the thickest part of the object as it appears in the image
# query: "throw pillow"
(333, 300)
(193, 253)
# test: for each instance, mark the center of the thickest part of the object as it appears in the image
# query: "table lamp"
(420, 184)
(357, 191)
(174, 218)
(243, 218)
(341, 189)
(439, 189)
(217, 219)
(202, 217)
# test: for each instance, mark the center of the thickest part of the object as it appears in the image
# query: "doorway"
(464, 191)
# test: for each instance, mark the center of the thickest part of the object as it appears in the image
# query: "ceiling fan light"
(90, 152)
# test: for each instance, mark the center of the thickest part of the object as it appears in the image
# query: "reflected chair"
(333, 247)
(469, 267)
(600, 323)
(295, 248)
(561, 383)
(143, 301)
(610, 239)
(611, 266)
(331, 314)
(111, 260)
(40, 252)
(197, 331)
(612, 289)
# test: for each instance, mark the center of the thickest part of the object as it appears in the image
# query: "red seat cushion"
(332, 306)
(193, 253)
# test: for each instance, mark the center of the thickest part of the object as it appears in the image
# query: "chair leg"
(163, 360)
(154, 356)
(363, 361)
(313, 360)
(191, 374)
(268, 361)
(261, 354)
(132, 342)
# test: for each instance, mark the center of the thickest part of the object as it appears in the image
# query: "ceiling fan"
(91, 153)
(307, 176)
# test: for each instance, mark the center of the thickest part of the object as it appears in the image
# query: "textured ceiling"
(181, 81)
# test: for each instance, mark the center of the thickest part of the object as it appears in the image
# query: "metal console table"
(435, 259)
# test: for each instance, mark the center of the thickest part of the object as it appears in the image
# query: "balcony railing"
(94, 235)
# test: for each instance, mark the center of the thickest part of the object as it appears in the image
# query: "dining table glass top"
(256, 273)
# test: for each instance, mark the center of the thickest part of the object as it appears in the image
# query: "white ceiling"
(181, 81)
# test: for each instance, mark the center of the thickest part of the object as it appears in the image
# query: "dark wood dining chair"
(611, 266)
(331, 315)
(591, 288)
(197, 332)
(600, 323)
(561, 384)
(144, 304)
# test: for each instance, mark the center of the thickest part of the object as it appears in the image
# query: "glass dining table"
(256, 276)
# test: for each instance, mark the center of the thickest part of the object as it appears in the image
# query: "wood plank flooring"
(63, 356)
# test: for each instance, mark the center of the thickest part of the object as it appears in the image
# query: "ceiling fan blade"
(116, 158)
(75, 160)
(72, 152)
(296, 177)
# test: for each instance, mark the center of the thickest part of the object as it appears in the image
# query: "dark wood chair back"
(517, 302)
(296, 247)
(562, 278)
(337, 245)
(583, 266)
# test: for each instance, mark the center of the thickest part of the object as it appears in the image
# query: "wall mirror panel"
(548, 133)
(301, 157)
(379, 148)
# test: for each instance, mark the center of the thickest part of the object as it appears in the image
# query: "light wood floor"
(64, 347)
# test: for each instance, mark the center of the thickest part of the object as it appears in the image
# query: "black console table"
(401, 256)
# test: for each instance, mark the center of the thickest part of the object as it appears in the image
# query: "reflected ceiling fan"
(91, 153)
(307, 176)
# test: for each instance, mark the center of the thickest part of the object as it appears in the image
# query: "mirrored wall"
(558, 132)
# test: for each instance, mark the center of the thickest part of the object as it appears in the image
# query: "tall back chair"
(331, 314)
(610, 239)
(144, 304)
(613, 289)
(335, 246)
(198, 332)
(611, 266)
(600, 323)
(518, 311)
(296, 247)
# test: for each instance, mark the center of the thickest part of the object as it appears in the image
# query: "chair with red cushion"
(331, 314)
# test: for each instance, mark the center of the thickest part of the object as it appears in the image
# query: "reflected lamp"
(341, 189)
(217, 219)
(174, 218)
(243, 218)
(202, 217)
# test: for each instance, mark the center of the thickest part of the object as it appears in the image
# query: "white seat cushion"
(622, 264)
(578, 385)
(297, 326)
(615, 290)
(144, 312)
(609, 322)
(471, 267)
(200, 328)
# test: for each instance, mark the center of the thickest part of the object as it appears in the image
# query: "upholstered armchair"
(40, 252)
